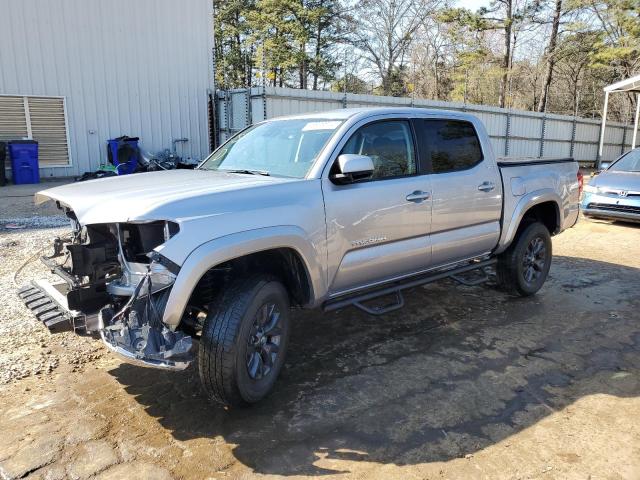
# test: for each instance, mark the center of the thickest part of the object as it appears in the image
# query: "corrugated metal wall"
(513, 132)
(126, 67)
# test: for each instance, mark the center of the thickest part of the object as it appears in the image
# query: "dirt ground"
(464, 382)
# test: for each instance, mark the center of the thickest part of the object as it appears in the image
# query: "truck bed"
(530, 180)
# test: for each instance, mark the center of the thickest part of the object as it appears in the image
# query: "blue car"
(615, 192)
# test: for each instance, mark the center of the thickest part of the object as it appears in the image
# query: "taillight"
(580, 182)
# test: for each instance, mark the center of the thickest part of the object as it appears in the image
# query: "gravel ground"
(464, 382)
(28, 349)
(25, 230)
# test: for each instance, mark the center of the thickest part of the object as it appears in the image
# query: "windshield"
(285, 148)
(628, 163)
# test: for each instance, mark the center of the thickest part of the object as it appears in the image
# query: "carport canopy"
(630, 85)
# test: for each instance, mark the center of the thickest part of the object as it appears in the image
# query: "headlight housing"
(139, 239)
(591, 189)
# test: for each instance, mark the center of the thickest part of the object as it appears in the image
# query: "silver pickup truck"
(330, 210)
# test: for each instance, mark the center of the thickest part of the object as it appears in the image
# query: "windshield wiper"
(248, 172)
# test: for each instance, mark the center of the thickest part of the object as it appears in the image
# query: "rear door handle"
(486, 186)
(418, 196)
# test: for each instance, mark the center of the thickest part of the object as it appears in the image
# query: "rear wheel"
(244, 341)
(523, 268)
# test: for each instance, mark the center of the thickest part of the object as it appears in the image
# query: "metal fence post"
(344, 81)
(624, 139)
(227, 114)
(507, 134)
(543, 132)
(573, 136)
(264, 103)
(264, 85)
(247, 108)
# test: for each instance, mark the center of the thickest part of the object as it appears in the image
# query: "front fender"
(511, 222)
(236, 245)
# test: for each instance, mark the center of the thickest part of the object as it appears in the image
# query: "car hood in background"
(629, 181)
(149, 196)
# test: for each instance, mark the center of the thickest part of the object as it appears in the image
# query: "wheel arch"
(543, 206)
(281, 251)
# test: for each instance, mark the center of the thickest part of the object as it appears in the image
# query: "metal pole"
(214, 98)
(344, 86)
(507, 134)
(466, 81)
(264, 83)
(543, 131)
(602, 128)
(635, 123)
(413, 74)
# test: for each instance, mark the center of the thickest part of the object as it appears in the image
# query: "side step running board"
(358, 300)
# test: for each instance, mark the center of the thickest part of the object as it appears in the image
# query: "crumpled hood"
(149, 196)
(629, 181)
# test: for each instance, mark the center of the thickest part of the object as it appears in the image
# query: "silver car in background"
(615, 192)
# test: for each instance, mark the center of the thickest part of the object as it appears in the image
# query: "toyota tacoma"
(329, 210)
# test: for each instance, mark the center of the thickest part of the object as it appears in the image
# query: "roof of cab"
(346, 113)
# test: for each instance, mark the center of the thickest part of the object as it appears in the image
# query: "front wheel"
(244, 341)
(523, 268)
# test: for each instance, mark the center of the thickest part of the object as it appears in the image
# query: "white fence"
(513, 132)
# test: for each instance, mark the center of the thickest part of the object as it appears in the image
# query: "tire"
(531, 251)
(244, 341)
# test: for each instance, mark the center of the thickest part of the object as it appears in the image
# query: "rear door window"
(448, 145)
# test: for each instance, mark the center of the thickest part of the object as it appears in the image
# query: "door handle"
(418, 196)
(486, 186)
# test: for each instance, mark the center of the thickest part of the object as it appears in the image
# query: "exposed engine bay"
(115, 285)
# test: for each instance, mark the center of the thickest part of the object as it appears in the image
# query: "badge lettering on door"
(367, 241)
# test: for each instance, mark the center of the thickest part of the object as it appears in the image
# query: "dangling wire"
(32, 258)
(136, 293)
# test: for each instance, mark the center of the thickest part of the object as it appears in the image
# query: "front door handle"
(418, 196)
(486, 186)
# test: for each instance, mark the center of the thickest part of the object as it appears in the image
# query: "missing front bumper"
(136, 337)
(136, 359)
(140, 337)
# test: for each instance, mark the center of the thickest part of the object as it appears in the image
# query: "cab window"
(390, 146)
(449, 145)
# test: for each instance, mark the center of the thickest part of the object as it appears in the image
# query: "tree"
(619, 24)
(573, 55)
(354, 84)
(508, 16)
(384, 32)
(550, 55)
(546, 55)
(326, 23)
(433, 56)
(279, 30)
(233, 52)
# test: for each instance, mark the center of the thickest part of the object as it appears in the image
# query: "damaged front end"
(115, 285)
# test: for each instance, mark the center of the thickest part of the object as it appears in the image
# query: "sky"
(473, 4)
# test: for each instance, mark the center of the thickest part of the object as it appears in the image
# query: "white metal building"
(74, 73)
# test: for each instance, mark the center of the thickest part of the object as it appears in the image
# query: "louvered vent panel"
(48, 127)
(13, 122)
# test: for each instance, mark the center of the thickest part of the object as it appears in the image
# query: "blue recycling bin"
(124, 153)
(24, 161)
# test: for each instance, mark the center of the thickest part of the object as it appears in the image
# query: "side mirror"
(604, 166)
(352, 167)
